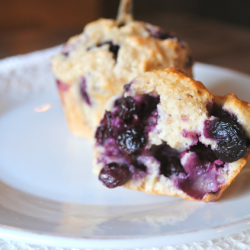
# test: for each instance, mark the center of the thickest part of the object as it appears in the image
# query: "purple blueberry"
(131, 140)
(169, 159)
(172, 166)
(105, 128)
(231, 138)
(158, 32)
(113, 48)
(204, 153)
(126, 87)
(102, 133)
(126, 108)
(217, 111)
(163, 151)
(232, 141)
(137, 164)
(114, 175)
(247, 142)
(148, 104)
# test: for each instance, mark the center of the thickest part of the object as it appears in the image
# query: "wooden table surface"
(211, 42)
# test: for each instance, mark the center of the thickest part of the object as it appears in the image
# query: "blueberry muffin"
(95, 65)
(169, 135)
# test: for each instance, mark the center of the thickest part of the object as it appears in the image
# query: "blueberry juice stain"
(63, 87)
(83, 91)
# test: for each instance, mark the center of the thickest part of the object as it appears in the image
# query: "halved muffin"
(169, 135)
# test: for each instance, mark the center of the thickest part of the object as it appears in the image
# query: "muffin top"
(106, 53)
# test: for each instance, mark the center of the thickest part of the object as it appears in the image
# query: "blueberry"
(126, 108)
(113, 48)
(158, 32)
(101, 134)
(131, 140)
(147, 105)
(217, 111)
(126, 87)
(83, 91)
(164, 35)
(105, 128)
(204, 153)
(114, 175)
(138, 164)
(232, 141)
(163, 151)
(169, 159)
(231, 138)
(247, 142)
(171, 166)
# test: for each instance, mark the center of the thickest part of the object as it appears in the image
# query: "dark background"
(218, 32)
(235, 12)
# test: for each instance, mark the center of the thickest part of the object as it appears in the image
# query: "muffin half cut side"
(169, 135)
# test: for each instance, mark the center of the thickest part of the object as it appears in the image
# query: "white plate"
(48, 194)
